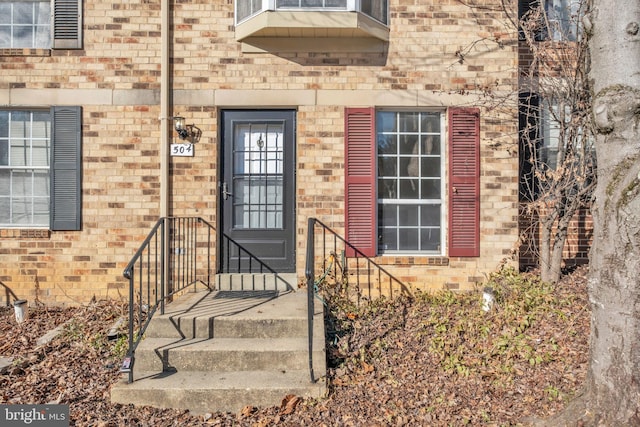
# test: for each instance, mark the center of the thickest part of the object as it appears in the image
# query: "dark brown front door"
(258, 191)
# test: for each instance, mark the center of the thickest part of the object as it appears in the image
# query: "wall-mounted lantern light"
(185, 131)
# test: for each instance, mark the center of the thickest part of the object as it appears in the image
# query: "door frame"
(287, 264)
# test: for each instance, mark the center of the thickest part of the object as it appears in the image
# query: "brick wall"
(576, 250)
(440, 54)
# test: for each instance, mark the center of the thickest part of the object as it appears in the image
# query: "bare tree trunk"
(612, 393)
(552, 241)
(550, 260)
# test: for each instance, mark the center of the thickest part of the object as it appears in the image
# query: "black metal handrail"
(175, 255)
(344, 266)
(244, 262)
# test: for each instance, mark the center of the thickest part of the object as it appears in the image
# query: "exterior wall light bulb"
(181, 127)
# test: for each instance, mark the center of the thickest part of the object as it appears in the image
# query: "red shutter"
(464, 182)
(360, 179)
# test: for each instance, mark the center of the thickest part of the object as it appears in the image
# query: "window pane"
(41, 211)
(431, 189)
(4, 153)
(22, 183)
(430, 215)
(23, 13)
(409, 144)
(40, 127)
(431, 145)
(376, 9)
(5, 182)
(42, 38)
(21, 210)
(41, 183)
(20, 122)
(408, 215)
(40, 153)
(387, 144)
(389, 239)
(431, 123)
(408, 239)
(19, 153)
(5, 208)
(385, 121)
(42, 13)
(408, 122)
(5, 37)
(243, 9)
(430, 239)
(4, 124)
(288, 3)
(22, 36)
(5, 13)
(409, 189)
(388, 215)
(388, 188)
(431, 167)
(311, 3)
(387, 166)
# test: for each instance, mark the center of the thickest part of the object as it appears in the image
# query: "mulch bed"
(397, 364)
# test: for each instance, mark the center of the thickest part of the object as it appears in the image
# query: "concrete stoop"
(223, 350)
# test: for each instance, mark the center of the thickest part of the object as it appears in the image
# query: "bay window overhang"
(269, 21)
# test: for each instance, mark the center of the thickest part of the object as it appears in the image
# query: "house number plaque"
(182, 150)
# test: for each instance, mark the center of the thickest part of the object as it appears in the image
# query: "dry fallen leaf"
(289, 404)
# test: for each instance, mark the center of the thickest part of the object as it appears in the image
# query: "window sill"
(25, 52)
(412, 260)
(25, 233)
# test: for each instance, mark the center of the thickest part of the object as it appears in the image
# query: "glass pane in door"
(258, 176)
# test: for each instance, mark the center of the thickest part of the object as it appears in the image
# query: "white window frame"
(9, 199)
(441, 201)
(271, 5)
(45, 28)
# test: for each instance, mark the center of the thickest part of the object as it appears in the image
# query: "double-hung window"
(395, 172)
(40, 168)
(25, 148)
(410, 181)
(40, 24)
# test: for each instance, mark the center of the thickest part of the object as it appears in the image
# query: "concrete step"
(225, 354)
(228, 314)
(223, 350)
(205, 391)
(256, 282)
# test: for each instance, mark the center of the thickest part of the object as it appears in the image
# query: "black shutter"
(67, 24)
(66, 168)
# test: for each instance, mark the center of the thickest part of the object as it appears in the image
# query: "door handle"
(225, 192)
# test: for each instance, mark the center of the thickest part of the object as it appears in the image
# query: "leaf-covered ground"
(435, 359)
